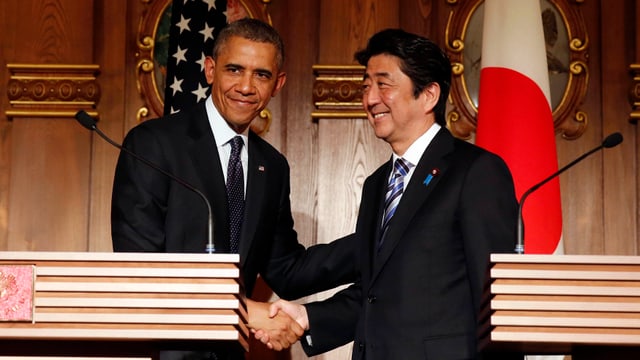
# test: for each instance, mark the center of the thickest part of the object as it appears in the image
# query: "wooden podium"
(118, 305)
(586, 306)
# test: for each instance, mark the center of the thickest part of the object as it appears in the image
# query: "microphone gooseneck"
(88, 122)
(609, 142)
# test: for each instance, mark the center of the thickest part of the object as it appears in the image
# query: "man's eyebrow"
(381, 74)
(234, 66)
(240, 67)
(264, 72)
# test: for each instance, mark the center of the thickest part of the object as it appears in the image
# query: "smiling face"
(243, 79)
(397, 116)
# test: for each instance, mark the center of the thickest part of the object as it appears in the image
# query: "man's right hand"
(278, 331)
(289, 310)
(296, 311)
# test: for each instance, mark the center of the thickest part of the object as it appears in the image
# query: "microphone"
(90, 123)
(609, 142)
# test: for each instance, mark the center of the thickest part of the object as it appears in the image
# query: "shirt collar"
(222, 132)
(415, 150)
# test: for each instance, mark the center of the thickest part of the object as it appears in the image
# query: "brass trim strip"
(45, 114)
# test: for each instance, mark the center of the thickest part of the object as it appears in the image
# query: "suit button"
(361, 346)
(371, 299)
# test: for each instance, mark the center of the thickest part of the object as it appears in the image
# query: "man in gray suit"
(428, 220)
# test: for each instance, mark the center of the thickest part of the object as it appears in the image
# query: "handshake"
(279, 324)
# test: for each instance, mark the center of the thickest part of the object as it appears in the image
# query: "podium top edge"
(118, 256)
(567, 259)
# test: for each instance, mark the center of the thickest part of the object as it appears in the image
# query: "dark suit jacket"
(419, 295)
(152, 213)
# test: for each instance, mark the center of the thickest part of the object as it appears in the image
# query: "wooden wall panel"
(347, 25)
(418, 16)
(581, 187)
(599, 196)
(636, 60)
(620, 201)
(49, 180)
(6, 47)
(112, 46)
(298, 22)
(49, 183)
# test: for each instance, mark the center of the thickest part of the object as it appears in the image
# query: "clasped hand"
(279, 324)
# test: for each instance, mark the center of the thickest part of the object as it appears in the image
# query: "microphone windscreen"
(612, 140)
(86, 120)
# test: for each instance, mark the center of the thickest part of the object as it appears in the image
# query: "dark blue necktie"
(235, 193)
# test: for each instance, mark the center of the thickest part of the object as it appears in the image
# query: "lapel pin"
(433, 173)
(260, 168)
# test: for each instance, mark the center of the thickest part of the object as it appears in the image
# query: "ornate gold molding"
(568, 43)
(47, 90)
(337, 92)
(147, 72)
(261, 124)
(634, 93)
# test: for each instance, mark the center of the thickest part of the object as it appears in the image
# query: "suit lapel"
(204, 154)
(429, 170)
(371, 213)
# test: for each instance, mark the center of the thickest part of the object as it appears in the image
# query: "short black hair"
(422, 60)
(254, 30)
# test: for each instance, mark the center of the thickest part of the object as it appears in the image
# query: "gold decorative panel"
(337, 92)
(46, 90)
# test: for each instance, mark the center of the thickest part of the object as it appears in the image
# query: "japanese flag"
(515, 117)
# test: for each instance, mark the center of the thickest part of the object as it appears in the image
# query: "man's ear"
(209, 69)
(281, 78)
(431, 94)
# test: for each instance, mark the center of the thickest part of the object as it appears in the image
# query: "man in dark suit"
(425, 228)
(150, 212)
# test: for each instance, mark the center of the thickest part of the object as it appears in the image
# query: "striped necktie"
(394, 190)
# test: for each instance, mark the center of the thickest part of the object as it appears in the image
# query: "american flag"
(194, 26)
